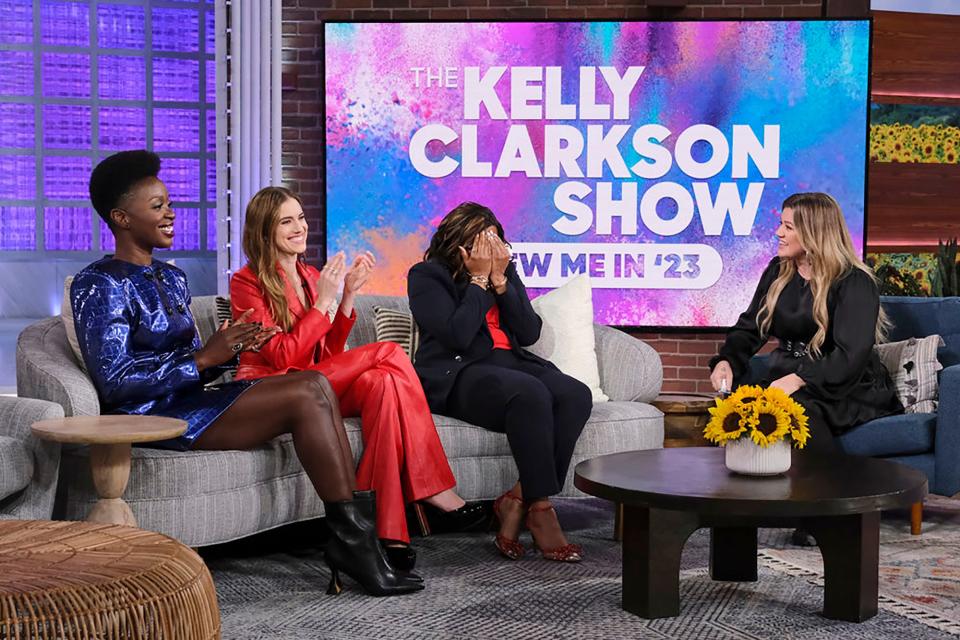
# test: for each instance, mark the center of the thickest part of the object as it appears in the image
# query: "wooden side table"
(684, 418)
(110, 438)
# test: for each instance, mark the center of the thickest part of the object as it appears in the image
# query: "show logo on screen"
(653, 156)
(592, 164)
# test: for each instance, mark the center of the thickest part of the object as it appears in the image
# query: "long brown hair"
(458, 229)
(259, 230)
(823, 233)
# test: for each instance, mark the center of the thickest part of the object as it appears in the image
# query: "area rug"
(919, 575)
(272, 587)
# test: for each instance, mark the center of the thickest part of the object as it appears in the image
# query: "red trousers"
(403, 459)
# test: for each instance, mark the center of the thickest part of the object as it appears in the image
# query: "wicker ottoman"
(79, 580)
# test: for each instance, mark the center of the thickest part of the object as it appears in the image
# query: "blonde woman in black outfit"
(822, 303)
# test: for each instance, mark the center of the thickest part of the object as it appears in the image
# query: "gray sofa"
(203, 498)
(28, 466)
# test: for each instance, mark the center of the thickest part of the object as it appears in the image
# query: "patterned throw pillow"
(913, 365)
(224, 313)
(397, 326)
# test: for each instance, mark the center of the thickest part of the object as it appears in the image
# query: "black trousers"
(821, 436)
(541, 410)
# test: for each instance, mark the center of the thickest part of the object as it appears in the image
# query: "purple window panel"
(122, 78)
(18, 177)
(107, 241)
(17, 24)
(210, 33)
(120, 26)
(186, 230)
(211, 229)
(16, 73)
(66, 178)
(182, 177)
(176, 80)
(18, 228)
(16, 125)
(65, 23)
(211, 180)
(211, 80)
(66, 126)
(176, 30)
(67, 229)
(66, 75)
(123, 128)
(176, 130)
(211, 133)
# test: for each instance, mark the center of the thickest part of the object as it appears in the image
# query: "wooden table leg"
(110, 466)
(733, 554)
(653, 541)
(850, 546)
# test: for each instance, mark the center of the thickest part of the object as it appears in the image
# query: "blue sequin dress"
(138, 337)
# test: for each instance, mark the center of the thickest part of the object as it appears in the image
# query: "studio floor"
(272, 586)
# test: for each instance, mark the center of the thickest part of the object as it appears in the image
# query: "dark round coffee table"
(667, 494)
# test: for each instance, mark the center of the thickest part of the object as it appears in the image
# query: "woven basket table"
(80, 580)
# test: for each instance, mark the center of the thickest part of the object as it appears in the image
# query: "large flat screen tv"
(653, 156)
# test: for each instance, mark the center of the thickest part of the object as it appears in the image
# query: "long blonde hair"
(823, 233)
(259, 229)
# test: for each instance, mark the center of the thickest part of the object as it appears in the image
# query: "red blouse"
(500, 339)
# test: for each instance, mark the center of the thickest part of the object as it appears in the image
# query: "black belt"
(794, 348)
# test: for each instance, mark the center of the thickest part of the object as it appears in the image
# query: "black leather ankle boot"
(354, 549)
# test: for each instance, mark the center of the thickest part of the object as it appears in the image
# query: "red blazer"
(313, 337)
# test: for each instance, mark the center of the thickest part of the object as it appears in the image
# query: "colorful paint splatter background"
(810, 77)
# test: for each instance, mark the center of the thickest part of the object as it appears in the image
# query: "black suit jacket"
(453, 326)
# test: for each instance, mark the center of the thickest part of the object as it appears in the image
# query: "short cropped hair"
(115, 176)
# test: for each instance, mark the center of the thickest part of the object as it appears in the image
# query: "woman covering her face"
(403, 460)
(475, 318)
(141, 347)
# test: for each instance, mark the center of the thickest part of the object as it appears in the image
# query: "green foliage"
(944, 278)
(894, 282)
(914, 115)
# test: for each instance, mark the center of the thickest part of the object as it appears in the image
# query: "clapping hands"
(359, 272)
(231, 338)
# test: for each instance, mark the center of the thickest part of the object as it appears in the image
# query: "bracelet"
(497, 285)
(479, 280)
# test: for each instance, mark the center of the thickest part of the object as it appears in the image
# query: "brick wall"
(684, 355)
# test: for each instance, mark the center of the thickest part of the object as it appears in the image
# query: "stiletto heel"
(335, 586)
(354, 549)
(509, 548)
(566, 553)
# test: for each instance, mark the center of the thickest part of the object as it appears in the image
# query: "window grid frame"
(205, 11)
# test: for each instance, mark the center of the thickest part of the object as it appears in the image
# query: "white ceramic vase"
(745, 456)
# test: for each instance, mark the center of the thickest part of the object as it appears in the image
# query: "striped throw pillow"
(391, 325)
(913, 366)
(224, 313)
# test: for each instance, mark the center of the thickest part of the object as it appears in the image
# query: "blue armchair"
(929, 442)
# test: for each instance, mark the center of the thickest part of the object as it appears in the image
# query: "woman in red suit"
(403, 459)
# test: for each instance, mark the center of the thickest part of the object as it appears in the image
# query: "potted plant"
(756, 427)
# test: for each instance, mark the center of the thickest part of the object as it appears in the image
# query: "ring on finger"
(237, 348)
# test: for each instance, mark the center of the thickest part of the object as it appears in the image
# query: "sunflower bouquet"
(765, 416)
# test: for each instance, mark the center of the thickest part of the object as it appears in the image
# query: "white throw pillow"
(567, 338)
(66, 314)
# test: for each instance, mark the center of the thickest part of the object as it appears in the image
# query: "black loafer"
(802, 538)
(473, 516)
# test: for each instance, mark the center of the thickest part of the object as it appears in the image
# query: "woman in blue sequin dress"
(141, 348)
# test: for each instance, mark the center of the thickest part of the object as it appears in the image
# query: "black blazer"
(453, 326)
